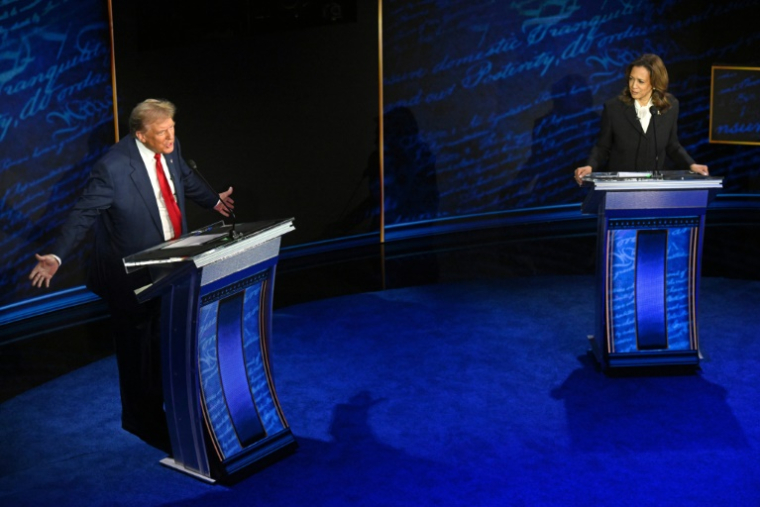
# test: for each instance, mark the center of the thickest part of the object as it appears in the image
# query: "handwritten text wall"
(55, 121)
(507, 96)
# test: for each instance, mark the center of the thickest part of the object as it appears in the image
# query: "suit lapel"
(630, 115)
(142, 183)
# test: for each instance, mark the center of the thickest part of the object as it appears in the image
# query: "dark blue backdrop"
(55, 121)
(507, 95)
(488, 107)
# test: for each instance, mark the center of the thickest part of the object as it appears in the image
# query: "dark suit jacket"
(623, 145)
(118, 201)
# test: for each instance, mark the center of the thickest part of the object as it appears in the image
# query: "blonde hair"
(148, 111)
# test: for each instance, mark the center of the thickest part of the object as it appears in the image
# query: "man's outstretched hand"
(46, 267)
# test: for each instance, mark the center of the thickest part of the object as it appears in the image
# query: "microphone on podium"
(656, 173)
(194, 167)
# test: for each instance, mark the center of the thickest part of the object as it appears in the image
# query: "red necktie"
(171, 204)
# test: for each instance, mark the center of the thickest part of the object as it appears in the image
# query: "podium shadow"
(646, 413)
(352, 468)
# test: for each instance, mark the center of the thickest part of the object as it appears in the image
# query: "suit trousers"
(136, 331)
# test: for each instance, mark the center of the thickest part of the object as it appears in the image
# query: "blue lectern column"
(651, 305)
(221, 404)
(242, 418)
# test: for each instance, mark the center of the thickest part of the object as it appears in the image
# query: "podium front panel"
(649, 245)
(651, 277)
(238, 401)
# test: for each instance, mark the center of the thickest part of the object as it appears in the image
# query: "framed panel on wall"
(735, 105)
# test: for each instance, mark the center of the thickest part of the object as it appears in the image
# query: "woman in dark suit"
(627, 141)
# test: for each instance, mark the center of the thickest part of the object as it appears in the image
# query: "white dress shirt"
(149, 159)
(643, 113)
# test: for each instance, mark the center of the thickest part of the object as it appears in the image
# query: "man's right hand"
(46, 267)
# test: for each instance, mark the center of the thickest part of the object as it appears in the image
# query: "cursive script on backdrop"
(56, 119)
(508, 94)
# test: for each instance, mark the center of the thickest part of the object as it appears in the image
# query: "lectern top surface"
(209, 242)
(672, 180)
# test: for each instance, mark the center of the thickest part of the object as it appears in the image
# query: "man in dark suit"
(627, 141)
(134, 199)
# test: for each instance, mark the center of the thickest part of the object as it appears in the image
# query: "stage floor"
(462, 392)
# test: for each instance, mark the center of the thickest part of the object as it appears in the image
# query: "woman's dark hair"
(658, 77)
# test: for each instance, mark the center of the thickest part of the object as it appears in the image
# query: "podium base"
(688, 359)
(170, 463)
(251, 460)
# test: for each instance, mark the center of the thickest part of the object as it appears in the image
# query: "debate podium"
(216, 292)
(648, 264)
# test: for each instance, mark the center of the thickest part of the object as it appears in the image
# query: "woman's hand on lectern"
(581, 172)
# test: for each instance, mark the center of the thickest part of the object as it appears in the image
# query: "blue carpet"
(464, 394)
